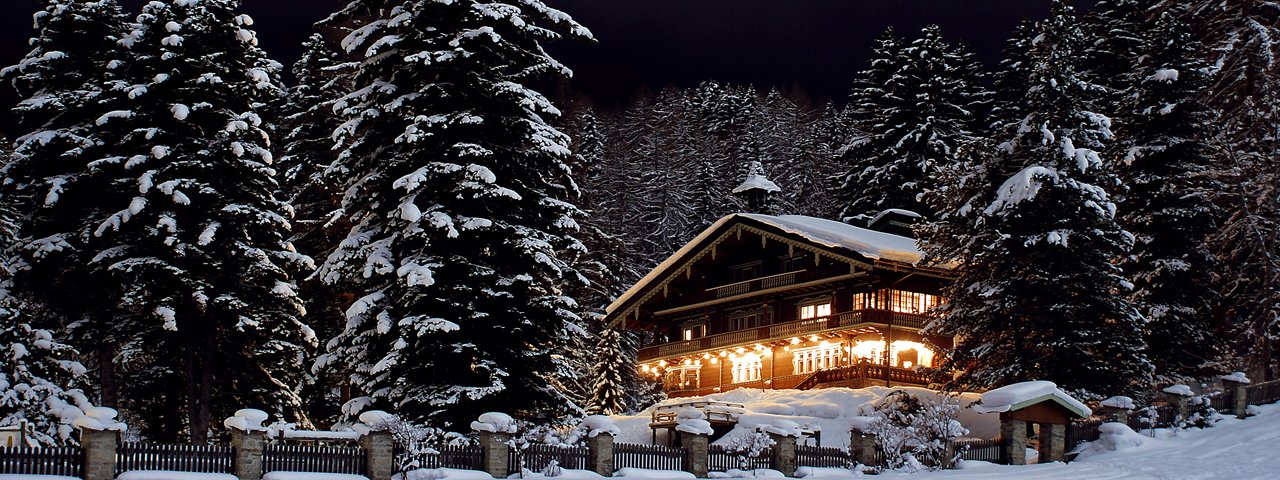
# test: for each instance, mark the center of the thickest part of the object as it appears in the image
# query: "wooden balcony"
(756, 284)
(783, 331)
(854, 376)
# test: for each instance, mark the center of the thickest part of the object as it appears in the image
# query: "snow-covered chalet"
(788, 301)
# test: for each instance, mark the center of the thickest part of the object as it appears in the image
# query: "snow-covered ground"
(832, 410)
(1236, 449)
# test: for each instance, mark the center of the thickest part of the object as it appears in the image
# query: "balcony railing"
(782, 331)
(755, 284)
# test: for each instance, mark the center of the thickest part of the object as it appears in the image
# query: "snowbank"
(565, 474)
(14, 476)
(646, 473)
(170, 475)
(1114, 437)
(824, 472)
(755, 473)
(442, 474)
(829, 410)
(311, 476)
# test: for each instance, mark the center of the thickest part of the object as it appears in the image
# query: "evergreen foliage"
(1036, 294)
(458, 194)
(1167, 167)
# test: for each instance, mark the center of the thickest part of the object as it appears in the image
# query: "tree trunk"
(107, 374)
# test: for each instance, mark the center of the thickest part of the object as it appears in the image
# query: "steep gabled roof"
(841, 241)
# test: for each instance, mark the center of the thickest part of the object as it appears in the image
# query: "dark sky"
(814, 44)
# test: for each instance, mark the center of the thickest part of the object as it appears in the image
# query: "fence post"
(99, 453)
(1176, 396)
(696, 446)
(1013, 432)
(863, 447)
(379, 450)
(1239, 386)
(600, 454)
(495, 453)
(248, 438)
(784, 453)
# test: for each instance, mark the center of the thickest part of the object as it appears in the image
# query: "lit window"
(747, 368)
(812, 359)
(896, 300)
(815, 310)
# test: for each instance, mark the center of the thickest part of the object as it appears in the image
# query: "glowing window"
(746, 368)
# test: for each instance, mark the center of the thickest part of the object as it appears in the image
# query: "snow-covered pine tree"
(63, 81)
(458, 196)
(183, 224)
(932, 103)
(1166, 166)
(1038, 296)
(615, 363)
(40, 379)
(1109, 60)
(1238, 40)
(866, 102)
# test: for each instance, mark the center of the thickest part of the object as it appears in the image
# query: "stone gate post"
(696, 445)
(600, 454)
(784, 454)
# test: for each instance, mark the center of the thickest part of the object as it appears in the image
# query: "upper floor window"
(746, 271)
(691, 331)
(791, 263)
(815, 310)
(744, 319)
(900, 301)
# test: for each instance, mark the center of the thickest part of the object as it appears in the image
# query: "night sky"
(815, 45)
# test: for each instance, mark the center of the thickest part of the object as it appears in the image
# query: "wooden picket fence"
(981, 449)
(830, 457)
(655, 457)
(279, 457)
(66, 461)
(536, 457)
(720, 459)
(177, 458)
(1263, 393)
(462, 457)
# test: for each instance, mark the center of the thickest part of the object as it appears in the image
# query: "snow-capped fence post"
(863, 447)
(1116, 409)
(784, 434)
(1177, 396)
(1238, 385)
(495, 431)
(248, 438)
(600, 431)
(378, 444)
(694, 430)
(99, 437)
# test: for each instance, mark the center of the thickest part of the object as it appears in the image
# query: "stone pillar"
(248, 447)
(1179, 404)
(99, 453)
(380, 452)
(864, 448)
(1053, 442)
(784, 454)
(1014, 434)
(600, 454)
(1240, 396)
(696, 446)
(495, 453)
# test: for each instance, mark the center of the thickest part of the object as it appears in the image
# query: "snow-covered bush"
(746, 445)
(1200, 413)
(913, 433)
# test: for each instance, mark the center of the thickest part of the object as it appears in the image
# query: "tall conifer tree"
(459, 200)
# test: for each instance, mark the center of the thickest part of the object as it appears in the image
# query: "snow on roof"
(830, 233)
(757, 182)
(899, 211)
(1020, 395)
(868, 243)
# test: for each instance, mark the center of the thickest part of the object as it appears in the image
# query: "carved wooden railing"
(863, 370)
(755, 284)
(784, 331)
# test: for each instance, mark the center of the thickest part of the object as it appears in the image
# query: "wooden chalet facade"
(789, 301)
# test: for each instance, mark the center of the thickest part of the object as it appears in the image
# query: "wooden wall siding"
(179, 458)
(65, 461)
